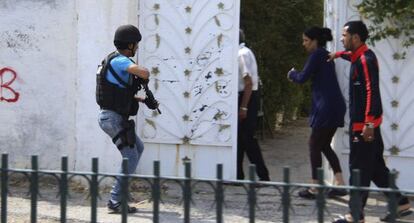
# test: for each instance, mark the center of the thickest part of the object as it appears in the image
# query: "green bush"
(273, 31)
(390, 18)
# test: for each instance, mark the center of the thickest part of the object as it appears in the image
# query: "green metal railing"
(187, 183)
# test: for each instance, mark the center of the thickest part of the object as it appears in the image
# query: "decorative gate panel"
(190, 48)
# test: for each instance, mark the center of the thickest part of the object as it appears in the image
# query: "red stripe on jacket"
(368, 87)
(358, 126)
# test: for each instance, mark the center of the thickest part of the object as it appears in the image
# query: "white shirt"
(247, 66)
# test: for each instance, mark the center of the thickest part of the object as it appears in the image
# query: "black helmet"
(127, 34)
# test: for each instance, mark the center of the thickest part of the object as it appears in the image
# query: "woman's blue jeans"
(111, 123)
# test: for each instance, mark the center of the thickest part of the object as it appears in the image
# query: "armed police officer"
(118, 80)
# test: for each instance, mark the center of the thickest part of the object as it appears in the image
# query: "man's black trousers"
(247, 142)
(368, 158)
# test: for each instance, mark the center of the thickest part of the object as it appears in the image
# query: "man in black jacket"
(365, 110)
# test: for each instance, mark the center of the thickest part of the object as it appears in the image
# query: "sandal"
(307, 194)
(337, 193)
(402, 210)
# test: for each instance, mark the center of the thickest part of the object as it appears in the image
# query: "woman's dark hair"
(322, 35)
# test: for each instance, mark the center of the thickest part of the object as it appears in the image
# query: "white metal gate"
(190, 47)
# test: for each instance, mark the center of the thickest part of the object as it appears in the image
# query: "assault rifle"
(150, 100)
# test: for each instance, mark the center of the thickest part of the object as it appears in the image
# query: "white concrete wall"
(97, 22)
(38, 40)
(53, 48)
(396, 84)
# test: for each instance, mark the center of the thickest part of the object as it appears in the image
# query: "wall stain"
(18, 40)
(11, 4)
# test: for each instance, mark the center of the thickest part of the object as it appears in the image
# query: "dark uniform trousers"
(368, 158)
(247, 142)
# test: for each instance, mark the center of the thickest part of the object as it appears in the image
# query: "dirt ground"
(286, 148)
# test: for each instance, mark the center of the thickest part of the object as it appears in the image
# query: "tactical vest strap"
(115, 74)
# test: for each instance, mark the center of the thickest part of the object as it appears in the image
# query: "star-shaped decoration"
(220, 5)
(187, 50)
(399, 56)
(156, 6)
(188, 9)
(186, 117)
(188, 30)
(394, 103)
(395, 79)
(186, 94)
(394, 126)
(155, 71)
(187, 72)
(186, 140)
(219, 71)
(394, 150)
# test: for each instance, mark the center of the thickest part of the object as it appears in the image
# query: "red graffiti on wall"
(8, 94)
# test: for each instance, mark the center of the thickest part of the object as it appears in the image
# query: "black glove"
(143, 81)
(136, 84)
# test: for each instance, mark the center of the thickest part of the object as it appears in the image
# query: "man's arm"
(138, 71)
(247, 92)
(373, 102)
(343, 54)
(372, 106)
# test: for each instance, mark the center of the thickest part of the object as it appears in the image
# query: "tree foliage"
(390, 18)
(274, 32)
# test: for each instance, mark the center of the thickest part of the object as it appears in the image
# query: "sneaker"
(307, 194)
(348, 219)
(116, 208)
(404, 209)
(337, 193)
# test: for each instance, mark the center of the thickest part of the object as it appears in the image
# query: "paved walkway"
(287, 148)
